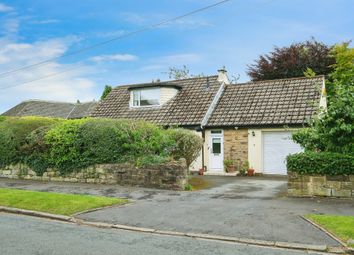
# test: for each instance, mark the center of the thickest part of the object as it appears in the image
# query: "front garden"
(65, 147)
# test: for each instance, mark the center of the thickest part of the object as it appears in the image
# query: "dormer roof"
(186, 108)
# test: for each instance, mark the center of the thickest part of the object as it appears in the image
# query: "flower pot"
(201, 171)
(250, 172)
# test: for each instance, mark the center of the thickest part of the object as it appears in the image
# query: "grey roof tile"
(188, 107)
(52, 109)
(272, 102)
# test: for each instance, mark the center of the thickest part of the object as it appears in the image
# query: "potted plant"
(244, 168)
(230, 166)
(250, 170)
(202, 170)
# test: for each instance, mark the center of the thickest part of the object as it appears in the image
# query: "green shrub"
(69, 145)
(322, 163)
(76, 144)
(64, 145)
(13, 132)
(2, 118)
(106, 140)
(187, 144)
(150, 160)
(188, 187)
(35, 151)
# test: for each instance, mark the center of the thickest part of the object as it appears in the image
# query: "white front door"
(276, 146)
(216, 151)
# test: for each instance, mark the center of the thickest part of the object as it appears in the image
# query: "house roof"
(187, 108)
(154, 84)
(52, 109)
(271, 102)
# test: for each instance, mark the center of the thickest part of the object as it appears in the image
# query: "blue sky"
(232, 34)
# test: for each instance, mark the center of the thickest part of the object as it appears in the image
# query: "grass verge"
(341, 226)
(56, 203)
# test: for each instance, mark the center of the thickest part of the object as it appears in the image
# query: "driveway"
(254, 208)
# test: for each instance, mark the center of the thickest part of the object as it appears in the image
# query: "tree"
(343, 71)
(106, 91)
(293, 61)
(181, 73)
(333, 130)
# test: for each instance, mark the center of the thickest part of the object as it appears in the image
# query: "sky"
(233, 35)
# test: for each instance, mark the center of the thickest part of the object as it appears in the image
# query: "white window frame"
(133, 92)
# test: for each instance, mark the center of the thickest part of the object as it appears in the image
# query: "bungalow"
(249, 122)
(52, 109)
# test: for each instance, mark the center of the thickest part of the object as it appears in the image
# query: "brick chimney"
(222, 76)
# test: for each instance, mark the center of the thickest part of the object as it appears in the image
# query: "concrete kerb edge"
(103, 207)
(69, 219)
(348, 249)
(37, 214)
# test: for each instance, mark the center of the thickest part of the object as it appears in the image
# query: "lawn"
(341, 226)
(64, 204)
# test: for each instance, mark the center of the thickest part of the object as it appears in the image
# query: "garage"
(276, 146)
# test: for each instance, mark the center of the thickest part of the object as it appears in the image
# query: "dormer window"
(145, 97)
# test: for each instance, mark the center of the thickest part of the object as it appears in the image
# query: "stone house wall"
(320, 185)
(236, 145)
(172, 175)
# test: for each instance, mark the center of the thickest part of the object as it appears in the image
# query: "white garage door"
(276, 146)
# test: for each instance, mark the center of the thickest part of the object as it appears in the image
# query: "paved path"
(241, 207)
(22, 235)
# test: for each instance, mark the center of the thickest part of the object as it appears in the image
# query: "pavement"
(24, 235)
(254, 208)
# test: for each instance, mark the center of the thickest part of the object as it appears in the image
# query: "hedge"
(76, 144)
(13, 132)
(69, 145)
(321, 163)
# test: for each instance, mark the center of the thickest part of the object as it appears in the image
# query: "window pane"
(149, 97)
(136, 98)
(216, 145)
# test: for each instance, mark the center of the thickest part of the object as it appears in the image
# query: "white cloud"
(113, 33)
(178, 59)
(162, 63)
(134, 18)
(114, 57)
(10, 26)
(5, 8)
(45, 21)
(66, 86)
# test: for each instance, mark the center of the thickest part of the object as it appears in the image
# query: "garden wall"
(172, 175)
(302, 185)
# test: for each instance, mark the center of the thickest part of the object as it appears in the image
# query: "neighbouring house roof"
(155, 84)
(52, 109)
(266, 103)
(187, 108)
